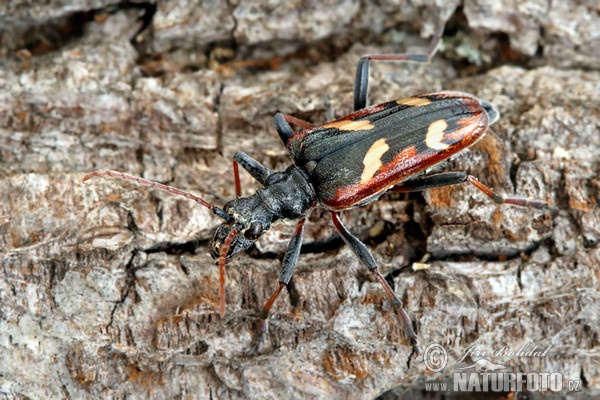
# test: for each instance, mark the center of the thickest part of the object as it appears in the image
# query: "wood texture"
(107, 289)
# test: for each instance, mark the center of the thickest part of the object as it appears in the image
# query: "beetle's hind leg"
(367, 259)
(454, 178)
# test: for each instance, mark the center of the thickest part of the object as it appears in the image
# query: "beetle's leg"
(282, 125)
(287, 267)
(361, 81)
(254, 168)
(453, 178)
(367, 259)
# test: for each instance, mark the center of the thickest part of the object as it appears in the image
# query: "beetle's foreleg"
(287, 267)
(367, 259)
(361, 81)
(254, 168)
(454, 178)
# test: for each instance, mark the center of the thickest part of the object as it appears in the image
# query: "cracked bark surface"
(107, 288)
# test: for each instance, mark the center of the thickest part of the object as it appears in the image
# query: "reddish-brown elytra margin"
(346, 163)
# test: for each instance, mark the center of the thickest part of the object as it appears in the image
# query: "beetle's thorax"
(288, 194)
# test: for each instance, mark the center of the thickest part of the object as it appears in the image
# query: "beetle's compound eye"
(227, 206)
(254, 231)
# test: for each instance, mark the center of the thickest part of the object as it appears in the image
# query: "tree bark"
(107, 288)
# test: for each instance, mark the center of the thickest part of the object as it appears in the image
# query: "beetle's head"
(247, 219)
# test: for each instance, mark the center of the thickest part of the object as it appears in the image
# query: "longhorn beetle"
(346, 163)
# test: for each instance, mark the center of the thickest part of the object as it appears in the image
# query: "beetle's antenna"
(116, 174)
(222, 261)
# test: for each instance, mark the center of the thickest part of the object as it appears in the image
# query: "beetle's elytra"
(346, 163)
